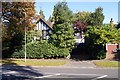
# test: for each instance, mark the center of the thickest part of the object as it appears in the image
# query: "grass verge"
(107, 63)
(33, 62)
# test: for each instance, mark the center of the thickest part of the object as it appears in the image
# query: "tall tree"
(62, 36)
(16, 16)
(96, 18)
(82, 16)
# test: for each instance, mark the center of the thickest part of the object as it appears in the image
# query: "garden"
(62, 40)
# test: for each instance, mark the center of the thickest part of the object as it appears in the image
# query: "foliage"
(16, 18)
(82, 16)
(62, 13)
(101, 54)
(96, 18)
(41, 49)
(90, 18)
(80, 25)
(33, 34)
(4, 32)
(98, 36)
(62, 36)
(103, 34)
(41, 14)
(10, 46)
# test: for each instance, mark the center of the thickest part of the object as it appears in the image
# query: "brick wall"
(111, 48)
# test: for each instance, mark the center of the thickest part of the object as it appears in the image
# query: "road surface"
(13, 72)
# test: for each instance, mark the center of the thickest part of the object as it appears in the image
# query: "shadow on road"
(17, 72)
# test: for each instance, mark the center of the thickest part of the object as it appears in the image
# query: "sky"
(110, 9)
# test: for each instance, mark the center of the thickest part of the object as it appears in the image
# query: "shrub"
(98, 36)
(41, 49)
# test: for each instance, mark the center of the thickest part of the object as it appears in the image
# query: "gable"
(44, 22)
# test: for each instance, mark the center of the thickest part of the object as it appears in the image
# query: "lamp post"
(25, 33)
(25, 38)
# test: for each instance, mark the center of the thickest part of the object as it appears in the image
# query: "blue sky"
(110, 9)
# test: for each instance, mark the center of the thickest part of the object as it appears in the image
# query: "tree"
(16, 18)
(80, 25)
(96, 18)
(41, 14)
(82, 16)
(62, 35)
(98, 36)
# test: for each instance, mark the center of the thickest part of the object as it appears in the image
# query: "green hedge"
(41, 49)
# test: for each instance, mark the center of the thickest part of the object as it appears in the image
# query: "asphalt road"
(28, 72)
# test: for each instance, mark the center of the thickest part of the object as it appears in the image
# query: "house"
(79, 29)
(118, 26)
(79, 37)
(44, 27)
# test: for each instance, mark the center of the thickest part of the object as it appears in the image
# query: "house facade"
(44, 27)
(79, 29)
(79, 36)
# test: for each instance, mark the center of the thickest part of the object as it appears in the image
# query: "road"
(10, 72)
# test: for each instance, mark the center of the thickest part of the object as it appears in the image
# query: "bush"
(98, 36)
(101, 54)
(41, 49)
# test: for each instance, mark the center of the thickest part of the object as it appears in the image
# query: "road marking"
(48, 76)
(75, 74)
(100, 77)
(10, 72)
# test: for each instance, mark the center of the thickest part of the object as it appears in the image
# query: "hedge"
(41, 49)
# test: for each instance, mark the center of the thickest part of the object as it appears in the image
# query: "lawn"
(107, 63)
(34, 62)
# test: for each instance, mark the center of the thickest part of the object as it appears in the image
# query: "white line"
(47, 76)
(100, 77)
(75, 74)
(10, 72)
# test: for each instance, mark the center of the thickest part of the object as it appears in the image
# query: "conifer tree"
(96, 18)
(63, 33)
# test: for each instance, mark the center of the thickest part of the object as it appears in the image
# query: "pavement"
(80, 64)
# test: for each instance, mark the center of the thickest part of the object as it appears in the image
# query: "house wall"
(79, 38)
(44, 28)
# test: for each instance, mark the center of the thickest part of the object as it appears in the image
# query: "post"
(25, 35)
(25, 43)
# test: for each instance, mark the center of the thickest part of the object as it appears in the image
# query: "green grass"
(34, 62)
(107, 63)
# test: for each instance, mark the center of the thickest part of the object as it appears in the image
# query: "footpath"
(80, 64)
